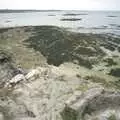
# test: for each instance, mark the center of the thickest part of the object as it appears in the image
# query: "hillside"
(50, 73)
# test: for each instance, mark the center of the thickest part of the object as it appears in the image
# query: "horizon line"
(6, 9)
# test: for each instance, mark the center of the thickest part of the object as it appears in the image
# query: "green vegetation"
(115, 72)
(2, 30)
(69, 114)
(109, 46)
(11, 39)
(119, 49)
(110, 62)
(112, 117)
(83, 87)
(97, 79)
(107, 84)
(34, 45)
(59, 46)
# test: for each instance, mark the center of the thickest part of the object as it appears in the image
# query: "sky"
(61, 4)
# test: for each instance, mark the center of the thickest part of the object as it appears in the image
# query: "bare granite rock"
(15, 80)
(41, 95)
(32, 74)
(95, 104)
(8, 68)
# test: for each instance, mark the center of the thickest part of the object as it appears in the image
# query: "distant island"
(21, 11)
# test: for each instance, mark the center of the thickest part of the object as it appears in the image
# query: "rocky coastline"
(50, 73)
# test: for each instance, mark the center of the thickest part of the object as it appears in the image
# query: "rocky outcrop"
(41, 95)
(95, 104)
(34, 96)
(15, 80)
(7, 67)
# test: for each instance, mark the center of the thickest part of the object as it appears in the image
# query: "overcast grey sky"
(61, 4)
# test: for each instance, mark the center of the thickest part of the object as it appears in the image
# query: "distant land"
(21, 11)
(47, 10)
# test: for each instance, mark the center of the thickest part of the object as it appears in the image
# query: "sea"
(80, 21)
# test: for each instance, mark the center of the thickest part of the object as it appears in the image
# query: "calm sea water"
(105, 22)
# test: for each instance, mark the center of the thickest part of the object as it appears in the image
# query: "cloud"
(61, 4)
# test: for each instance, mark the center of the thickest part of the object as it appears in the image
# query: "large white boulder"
(18, 78)
(33, 74)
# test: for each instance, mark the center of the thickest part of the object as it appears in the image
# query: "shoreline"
(91, 30)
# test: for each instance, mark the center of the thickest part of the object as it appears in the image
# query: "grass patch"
(59, 45)
(109, 46)
(83, 87)
(96, 79)
(119, 49)
(110, 62)
(25, 57)
(2, 30)
(108, 84)
(115, 72)
(112, 117)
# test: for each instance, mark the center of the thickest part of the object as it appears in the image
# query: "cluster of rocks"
(8, 68)
(15, 96)
(95, 104)
(41, 95)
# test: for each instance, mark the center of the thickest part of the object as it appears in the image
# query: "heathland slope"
(50, 73)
